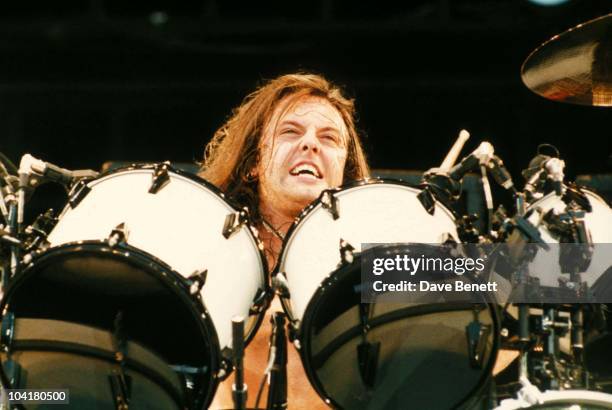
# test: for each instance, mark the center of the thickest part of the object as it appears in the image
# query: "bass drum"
(562, 400)
(411, 349)
(151, 256)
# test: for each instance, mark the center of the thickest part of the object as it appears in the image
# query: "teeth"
(305, 168)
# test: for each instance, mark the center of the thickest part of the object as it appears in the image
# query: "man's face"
(302, 152)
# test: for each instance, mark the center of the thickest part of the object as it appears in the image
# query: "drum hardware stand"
(486, 187)
(330, 202)
(367, 352)
(4, 211)
(437, 185)
(234, 222)
(118, 235)
(120, 382)
(38, 231)
(574, 197)
(239, 388)
(9, 266)
(548, 369)
(11, 368)
(467, 230)
(277, 366)
(160, 177)
(541, 168)
(188, 374)
(280, 285)
(9, 206)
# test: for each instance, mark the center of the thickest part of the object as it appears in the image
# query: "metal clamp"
(77, 193)
(427, 200)
(347, 254)
(330, 202)
(234, 222)
(260, 302)
(160, 177)
(196, 281)
(8, 331)
(281, 285)
(120, 382)
(118, 235)
(121, 386)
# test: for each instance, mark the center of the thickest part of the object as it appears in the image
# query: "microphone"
(277, 391)
(500, 173)
(239, 388)
(8, 178)
(481, 155)
(552, 167)
(50, 172)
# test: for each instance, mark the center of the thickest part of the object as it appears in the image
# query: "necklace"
(272, 230)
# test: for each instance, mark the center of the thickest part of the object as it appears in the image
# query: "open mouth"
(306, 169)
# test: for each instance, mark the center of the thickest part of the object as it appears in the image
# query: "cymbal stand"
(277, 390)
(523, 308)
(239, 388)
(9, 234)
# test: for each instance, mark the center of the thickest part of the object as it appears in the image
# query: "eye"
(289, 131)
(330, 138)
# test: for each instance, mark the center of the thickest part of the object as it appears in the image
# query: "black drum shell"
(89, 283)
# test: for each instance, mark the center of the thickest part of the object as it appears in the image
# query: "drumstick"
(452, 155)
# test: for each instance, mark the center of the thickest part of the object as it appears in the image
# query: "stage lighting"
(549, 3)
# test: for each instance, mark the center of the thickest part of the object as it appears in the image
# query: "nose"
(309, 141)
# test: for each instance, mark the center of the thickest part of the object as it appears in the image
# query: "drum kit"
(144, 291)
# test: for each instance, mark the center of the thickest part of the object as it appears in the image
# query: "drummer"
(289, 140)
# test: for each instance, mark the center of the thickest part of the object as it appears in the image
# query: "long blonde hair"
(233, 153)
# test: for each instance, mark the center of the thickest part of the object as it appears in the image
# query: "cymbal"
(575, 66)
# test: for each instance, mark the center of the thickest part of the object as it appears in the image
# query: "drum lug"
(8, 331)
(12, 370)
(121, 386)
(573, 194)
(224, 369)
(477, 334)
(280, 285)
(259, 302)
(120, 382)
(347, 254)
(77, 193)
(292, 334)
(118, 235)
(160, 177)
(233, 223)
(427, 200)
(330, 202)
(196, 281)
(448, 239)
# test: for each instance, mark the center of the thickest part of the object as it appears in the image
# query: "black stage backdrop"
(87, 82)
